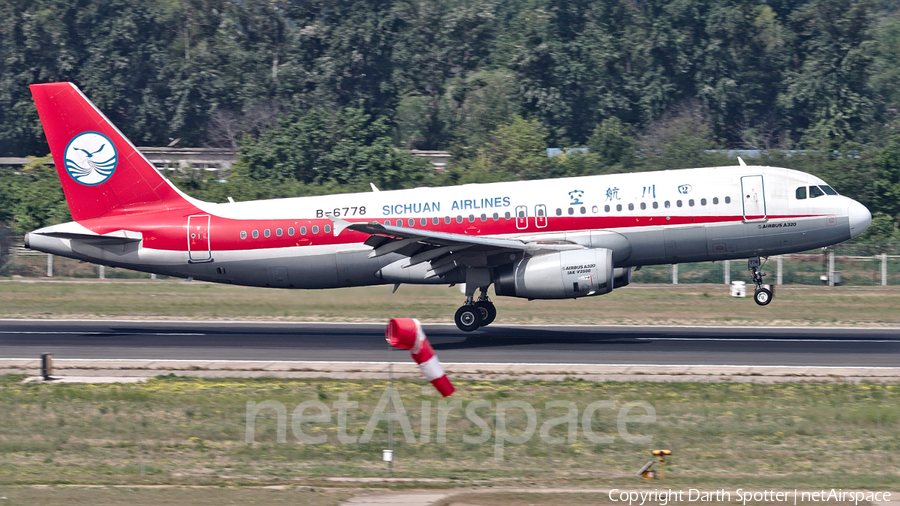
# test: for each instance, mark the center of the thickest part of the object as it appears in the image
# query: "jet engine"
(560, 275)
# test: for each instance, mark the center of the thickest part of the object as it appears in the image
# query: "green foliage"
(519, 148)
(612, 145)
(887, 183)
(318, 94)
(32, 197)
(345, 148)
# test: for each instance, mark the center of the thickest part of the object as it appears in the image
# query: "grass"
(191, 431)
(174, 496)
(696, 304)
(571, 499)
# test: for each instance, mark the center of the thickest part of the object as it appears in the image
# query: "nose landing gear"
(761, 296)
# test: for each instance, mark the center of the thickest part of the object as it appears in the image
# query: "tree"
(346, 147)
(518, 148)
(612, 144)
(827, 92)
(33, 197)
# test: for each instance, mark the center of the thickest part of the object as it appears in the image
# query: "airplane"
(543, 239)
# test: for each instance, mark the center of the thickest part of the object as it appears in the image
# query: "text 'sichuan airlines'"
(547, 239)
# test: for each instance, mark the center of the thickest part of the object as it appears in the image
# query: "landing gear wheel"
(468, 318)
(488, 312)
(763, 296)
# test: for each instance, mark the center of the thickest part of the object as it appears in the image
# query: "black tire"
(488, 312)
(468, 318)
(762, 296)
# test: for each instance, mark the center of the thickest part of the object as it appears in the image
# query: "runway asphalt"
(754, 346)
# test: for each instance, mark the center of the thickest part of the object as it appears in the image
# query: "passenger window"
(315, 229)
(302, 230)
(435, 220)
(643, 206)
(243, 234)
(815, 191)
(656, 205)
(496, 216)
(595, 209)
(618, 207)
(631, 207)
(678, 203)
(801, 193)
(583, 210)
(279, 232)
(412, 222)
(667, 204)
(267, 233)
(255, 234)
(291, 231)
(727, 200)
(483, 217)
(459, 219)
(691, 202)
(399, 223)
(558, 211)
(829, 190)
(327, 229)
(606, 209)
(423, 221)
(571, 211)
(702, 202)
(507, 215)
(715, 200)
(447, 219)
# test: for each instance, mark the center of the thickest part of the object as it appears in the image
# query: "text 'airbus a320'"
(547, 239)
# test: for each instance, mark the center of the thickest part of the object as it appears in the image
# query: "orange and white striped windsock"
(407, 334)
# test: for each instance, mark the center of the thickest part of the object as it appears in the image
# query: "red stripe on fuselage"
(168, 230)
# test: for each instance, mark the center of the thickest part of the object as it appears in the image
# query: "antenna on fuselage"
(741, 161)
(374, 188)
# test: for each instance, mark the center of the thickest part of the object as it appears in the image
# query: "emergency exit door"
(540, 216)
(754, 198)
(198, 239)
(521, 217)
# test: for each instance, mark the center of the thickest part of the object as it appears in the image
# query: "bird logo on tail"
(91, 158)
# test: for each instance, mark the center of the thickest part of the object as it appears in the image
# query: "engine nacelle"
(621, 277)
(562, 275)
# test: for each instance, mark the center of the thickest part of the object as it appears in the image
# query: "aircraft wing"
(445, 251)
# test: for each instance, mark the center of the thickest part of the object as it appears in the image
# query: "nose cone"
(860, 218)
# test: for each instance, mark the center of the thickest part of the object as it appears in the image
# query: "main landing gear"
(762, 296)
(474, 314)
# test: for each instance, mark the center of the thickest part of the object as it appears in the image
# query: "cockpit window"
(827, 189)
(815, 191)
(801, 193)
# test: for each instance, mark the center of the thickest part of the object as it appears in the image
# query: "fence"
(844, 264)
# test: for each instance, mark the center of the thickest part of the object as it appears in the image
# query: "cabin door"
(754, 198)
(198, 239)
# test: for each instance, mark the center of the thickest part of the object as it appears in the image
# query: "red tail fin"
(100, 170)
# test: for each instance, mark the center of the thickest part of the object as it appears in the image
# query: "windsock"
(407, 334)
